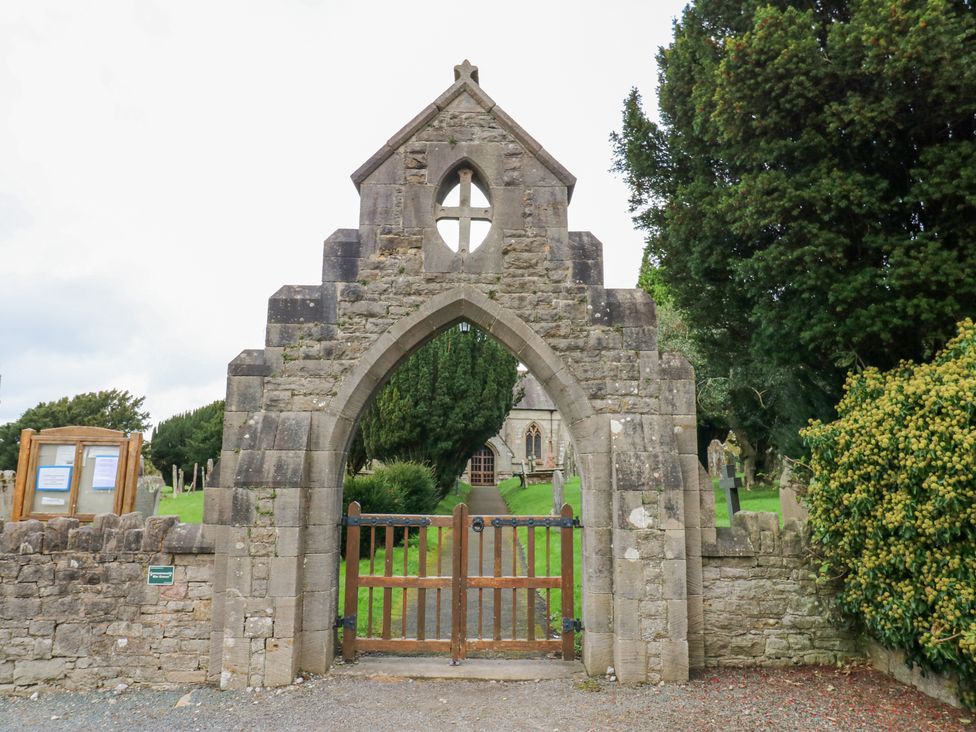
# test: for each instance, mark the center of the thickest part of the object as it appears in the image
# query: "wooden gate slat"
(421, 592)
(566, 593)
(388, 591)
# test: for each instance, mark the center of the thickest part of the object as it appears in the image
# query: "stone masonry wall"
(762, 605)
(76, 611)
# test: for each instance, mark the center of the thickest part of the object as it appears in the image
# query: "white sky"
(166, 166)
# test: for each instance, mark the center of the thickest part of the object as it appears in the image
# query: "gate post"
(567, 600)
(352, 585)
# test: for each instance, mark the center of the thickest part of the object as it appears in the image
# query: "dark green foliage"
(415, 482)
(810, 192)
(188, 438)
(113, 409)
(442, 404)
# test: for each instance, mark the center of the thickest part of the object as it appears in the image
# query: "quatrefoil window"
(463, 210)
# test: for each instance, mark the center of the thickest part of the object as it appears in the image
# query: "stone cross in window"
(464, 213)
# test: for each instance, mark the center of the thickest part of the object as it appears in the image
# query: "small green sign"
(160, 575)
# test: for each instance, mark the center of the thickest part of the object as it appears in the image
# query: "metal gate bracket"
(346, 621)
(572, 625)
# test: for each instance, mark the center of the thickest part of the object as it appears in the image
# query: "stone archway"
(389, 286)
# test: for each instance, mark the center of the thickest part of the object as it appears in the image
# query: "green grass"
(444, 508)
(188, 506)
(763, 498)
(536, 500)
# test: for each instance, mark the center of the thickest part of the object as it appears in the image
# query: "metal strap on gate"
(385, 521)
(554, 521)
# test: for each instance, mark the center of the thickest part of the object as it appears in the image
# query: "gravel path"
(809, 698)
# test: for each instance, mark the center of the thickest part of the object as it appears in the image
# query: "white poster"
(54, 478)
(65, 455)
(106, 468)
(48, 501)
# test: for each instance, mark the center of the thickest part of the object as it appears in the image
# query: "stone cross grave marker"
(730, 484)
(716, 458)
(557, 492)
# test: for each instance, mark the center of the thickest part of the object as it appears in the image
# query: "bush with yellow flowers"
(893, 506)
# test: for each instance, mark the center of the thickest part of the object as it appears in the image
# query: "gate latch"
(572, 625)
(346, 621)
(478, 524)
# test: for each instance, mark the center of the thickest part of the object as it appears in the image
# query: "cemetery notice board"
(76, 471)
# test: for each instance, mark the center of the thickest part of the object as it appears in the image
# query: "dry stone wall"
(76, 611)
(762, 604)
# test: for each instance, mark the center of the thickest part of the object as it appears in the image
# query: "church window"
(533, 442)
(463, 210)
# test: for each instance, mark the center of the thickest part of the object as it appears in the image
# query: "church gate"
(386, 288)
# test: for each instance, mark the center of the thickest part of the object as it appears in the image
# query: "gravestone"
(7, 478)
(148, 493)
(716, 458)
(557, 492)
(788, 501)
(730, 483)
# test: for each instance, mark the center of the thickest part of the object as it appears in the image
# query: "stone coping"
(753, 533)
(106, 533)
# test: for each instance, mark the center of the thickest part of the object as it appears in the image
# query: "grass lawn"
(763, 498)
(444, 508)
(536, 500)
(188, 506)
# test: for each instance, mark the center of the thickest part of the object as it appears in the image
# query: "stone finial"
(465, 70)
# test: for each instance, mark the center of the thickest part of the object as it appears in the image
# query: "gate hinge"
(572, 625)
(346, 621)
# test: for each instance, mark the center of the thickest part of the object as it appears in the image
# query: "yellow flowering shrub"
(893, 506)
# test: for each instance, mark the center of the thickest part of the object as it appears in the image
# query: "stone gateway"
(387, 287)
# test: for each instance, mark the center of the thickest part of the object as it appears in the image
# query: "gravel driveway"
(809, 698)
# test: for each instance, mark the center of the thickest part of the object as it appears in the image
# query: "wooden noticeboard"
(76, 471)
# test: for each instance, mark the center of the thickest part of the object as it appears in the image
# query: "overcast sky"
(166, 166)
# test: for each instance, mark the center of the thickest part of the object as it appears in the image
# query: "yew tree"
(809, 192)
(442, 404)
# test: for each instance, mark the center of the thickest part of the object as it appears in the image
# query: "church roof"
(535, 396)
(466, 81)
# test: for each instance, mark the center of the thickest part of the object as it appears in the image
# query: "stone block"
(157, 527)
(258, 432)
(629, 660)
(72, 639)
(674, 660)
(248, 363)
(281, 664)
(675, 579)
(284, 577)
(288, 507)
(293, 431)
(244, 393)
(27, 673)
(189, 539)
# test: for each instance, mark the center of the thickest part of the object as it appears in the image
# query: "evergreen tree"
(442, 404)
(188, 438)
(810, 192)
(112, 409)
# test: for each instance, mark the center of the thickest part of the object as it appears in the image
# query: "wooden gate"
(413, 601)
(483, 467)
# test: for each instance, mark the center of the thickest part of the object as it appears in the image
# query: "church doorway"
(483, 467)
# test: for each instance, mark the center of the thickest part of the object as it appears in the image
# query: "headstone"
(730, 483)
(148, 493)
(716, 458)
(7, 483)
(522, 479)
(789, 504)
(557, 492)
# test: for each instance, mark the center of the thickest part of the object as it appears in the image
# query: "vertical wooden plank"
(75, 477)
(440, 545)
(372, 570)
(464, 527)
(497, 596)
(514, 590)
(481, 590)
(352, 579)
(548, 589)
(403, 595)
(23, 471)
(566, 592)
(388, 591)
(457, 529)
(130, 480)
(530, 591)
(421, 592)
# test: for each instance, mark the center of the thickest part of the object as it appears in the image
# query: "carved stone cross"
(466, 70)
(464, 213)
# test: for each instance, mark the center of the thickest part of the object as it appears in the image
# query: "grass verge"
(188, 506)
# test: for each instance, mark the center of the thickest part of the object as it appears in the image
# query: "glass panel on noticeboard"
(52, 483)
(99, 477)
